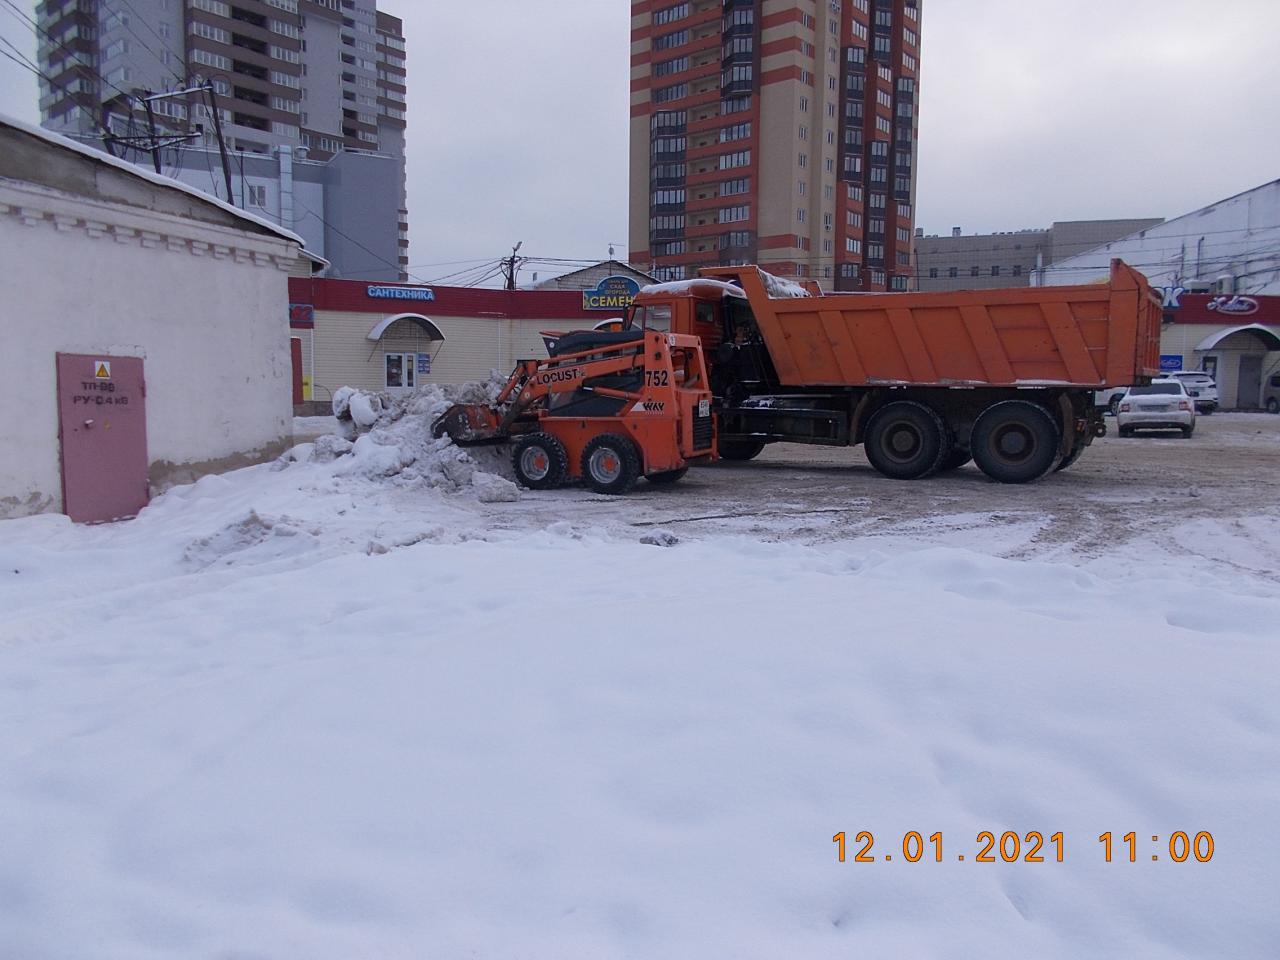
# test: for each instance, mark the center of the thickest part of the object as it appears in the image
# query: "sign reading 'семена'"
(612, 293)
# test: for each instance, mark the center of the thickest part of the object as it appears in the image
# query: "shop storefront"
(396, 338)
(1234, 338)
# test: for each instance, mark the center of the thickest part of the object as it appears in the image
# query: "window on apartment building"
(973, 271)
(1017, 269)
(853, 245)
(800, 215)
(804, 132)
(933, 273)
(953, 272)
(670, 14)
(995, 271)
(804, 104)
(257, 195)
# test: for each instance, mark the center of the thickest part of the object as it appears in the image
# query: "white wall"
(1239, 236)
(204, 305)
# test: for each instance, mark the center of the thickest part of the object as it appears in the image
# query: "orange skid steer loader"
(604, 407)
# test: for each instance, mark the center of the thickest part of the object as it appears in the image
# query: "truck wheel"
(667, 476)
(1015, 441)
(906, 440)
(540, 461)
(1071, 457)
(739, 449)
(1273, 405)
(956, 459)
(610, 463)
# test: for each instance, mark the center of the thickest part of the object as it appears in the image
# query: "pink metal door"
(102, 423)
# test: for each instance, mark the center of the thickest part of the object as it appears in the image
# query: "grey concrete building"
(983, 261)
(291, 79)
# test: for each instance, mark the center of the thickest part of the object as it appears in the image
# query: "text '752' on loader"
(604, 407)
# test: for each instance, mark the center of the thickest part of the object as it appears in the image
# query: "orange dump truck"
(925, 381)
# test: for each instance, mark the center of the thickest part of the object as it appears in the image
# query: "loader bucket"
(468, 423)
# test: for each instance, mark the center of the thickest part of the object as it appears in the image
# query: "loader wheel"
(907, 440)
(1015, 441)
(610, 464)
(540, 461)
(739, 449)
(667, 476)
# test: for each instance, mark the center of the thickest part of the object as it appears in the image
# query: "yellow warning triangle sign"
(103, 372)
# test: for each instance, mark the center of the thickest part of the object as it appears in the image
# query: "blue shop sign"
(401, 293)
(612, 293)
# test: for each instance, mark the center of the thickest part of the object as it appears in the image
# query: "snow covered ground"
(343, 708)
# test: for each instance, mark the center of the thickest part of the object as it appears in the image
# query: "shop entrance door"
(1249, 391)
(401, 374)
(102, 426)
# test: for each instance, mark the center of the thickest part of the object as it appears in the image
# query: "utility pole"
(151, 131)
(222, 144)
(511, 265)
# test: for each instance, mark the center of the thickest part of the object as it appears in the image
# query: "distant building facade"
(984, 261)
(778, 132)
(1228, 247)
(1218, 270)
(320, 77)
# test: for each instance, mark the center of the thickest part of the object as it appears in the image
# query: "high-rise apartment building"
(778, 132)
(298, 81)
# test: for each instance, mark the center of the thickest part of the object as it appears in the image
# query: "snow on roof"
(57, 140)
(681, 287)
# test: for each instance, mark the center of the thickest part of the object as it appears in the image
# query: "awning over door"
(1264, 334)
(429, 329)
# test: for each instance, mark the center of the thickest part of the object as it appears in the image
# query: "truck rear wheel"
(906, 440)
(610, 463)
(1015, 441)
(1071, 457)
(739, 449)
(955, 459)
(540, 461)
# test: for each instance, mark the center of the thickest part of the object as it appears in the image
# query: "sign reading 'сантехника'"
(401, 293)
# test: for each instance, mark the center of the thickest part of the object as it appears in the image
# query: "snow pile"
(381, 754)
(780, 289)
(388, 438)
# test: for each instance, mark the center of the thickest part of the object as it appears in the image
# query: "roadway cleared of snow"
(310, 712)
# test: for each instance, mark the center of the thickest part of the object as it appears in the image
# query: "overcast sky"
(1030, 113)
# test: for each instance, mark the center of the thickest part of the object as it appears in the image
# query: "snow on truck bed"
(321, 712)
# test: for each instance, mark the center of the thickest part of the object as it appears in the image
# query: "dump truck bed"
(1081, 336)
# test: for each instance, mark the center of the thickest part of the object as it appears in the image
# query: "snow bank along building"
(1219, 271)
(398, 337)
(144, 341)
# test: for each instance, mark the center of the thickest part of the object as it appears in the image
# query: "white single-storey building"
(145, 339)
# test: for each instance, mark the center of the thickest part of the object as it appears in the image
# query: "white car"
(1161, 405)
(1201, 387)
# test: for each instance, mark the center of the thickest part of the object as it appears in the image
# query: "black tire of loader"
(1015, 441)
(667, 476)
(557, 460)
(628, 463)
